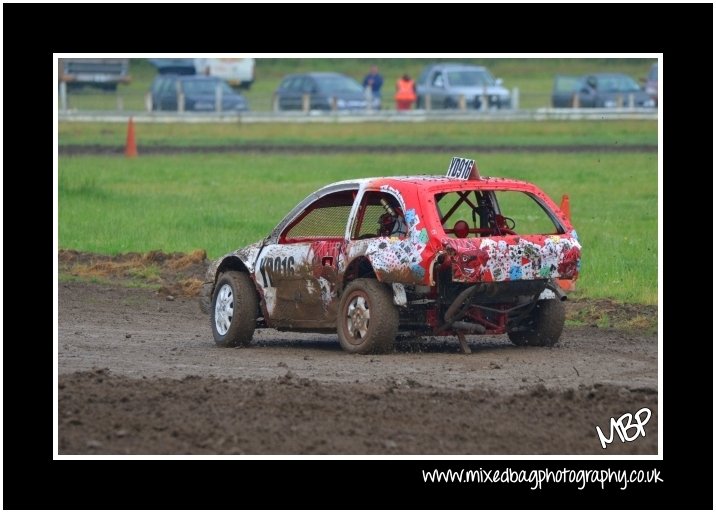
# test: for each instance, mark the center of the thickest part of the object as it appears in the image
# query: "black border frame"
(32, 480)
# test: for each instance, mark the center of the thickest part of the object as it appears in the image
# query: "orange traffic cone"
(564, 206)
(130, 149)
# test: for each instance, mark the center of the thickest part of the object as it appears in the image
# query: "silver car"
(447, 84)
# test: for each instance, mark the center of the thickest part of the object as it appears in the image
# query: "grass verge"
(223, 201)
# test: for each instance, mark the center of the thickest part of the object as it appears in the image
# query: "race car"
(373, 258)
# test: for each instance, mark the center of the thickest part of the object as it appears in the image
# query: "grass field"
(533, 77)
(612, 132)
(222, 201)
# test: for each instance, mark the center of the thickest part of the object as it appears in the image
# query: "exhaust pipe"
(469, 327)
(561, 294)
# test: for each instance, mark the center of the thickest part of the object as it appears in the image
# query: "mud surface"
(140, 374)
(98, 149)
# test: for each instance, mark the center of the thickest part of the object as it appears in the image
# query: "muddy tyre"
(544, 327)
(367, 318)
(233, 309)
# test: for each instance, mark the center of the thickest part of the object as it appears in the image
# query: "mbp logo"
(623, 425)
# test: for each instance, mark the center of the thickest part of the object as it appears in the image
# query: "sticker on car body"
(460, 168)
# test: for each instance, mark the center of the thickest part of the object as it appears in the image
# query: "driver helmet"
(386, 223)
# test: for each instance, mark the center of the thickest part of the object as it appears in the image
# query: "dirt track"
(140, 374)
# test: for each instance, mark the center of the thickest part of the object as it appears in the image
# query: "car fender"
(243, 259)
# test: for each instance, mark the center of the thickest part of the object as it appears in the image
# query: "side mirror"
(498, 81)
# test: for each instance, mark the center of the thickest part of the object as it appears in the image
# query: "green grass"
(618, 132)
(533, 77)
(220, 202)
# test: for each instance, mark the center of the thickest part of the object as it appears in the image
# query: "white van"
(237, 72)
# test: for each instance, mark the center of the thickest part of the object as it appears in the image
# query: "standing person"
(372, 83)
(404, 93)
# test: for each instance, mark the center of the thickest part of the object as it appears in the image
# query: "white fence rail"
(414, 116)
(89, 105)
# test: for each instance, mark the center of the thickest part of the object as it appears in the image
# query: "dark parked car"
(652, 83)
(447, 82)
(200, 93)
(602, 90)
(326, 91)
(101, 73)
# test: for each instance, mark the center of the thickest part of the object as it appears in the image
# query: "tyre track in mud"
(140, 374)
(83, 149)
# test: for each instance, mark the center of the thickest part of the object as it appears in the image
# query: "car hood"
(477, 90)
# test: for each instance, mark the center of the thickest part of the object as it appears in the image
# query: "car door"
(437, 88)
(298, 273)
(290, 95)
(588, 94)
(168, 94)
(316, 98)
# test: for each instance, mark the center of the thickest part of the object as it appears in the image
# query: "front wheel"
(367, 318)
(543, 327)
(233, 309)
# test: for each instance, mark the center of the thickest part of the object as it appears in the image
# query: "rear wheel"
(233, 309)
(367, 318)
(544, 326)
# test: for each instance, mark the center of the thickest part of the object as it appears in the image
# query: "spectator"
(404, 93)
(372, 83)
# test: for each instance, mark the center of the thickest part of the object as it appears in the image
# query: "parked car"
(652, 83)
(326, 91)
(447, 82)
(601, 90)
(371, 257)
(200, 94)
(100, 73)
(174, 66)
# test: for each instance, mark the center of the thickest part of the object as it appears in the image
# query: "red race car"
(369, 258)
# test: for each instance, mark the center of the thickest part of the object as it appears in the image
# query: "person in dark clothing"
(372, 83)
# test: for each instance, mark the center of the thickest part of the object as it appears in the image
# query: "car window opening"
(475, 213)
(379, 215)
(325, 218)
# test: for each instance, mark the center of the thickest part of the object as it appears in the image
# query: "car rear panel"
(513, 257)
